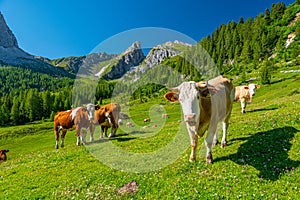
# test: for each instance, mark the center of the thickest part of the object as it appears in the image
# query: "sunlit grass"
(261, 160)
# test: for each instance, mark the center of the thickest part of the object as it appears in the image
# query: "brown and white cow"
(79, 117)
(3, 156)
(204, 105)
(147, 120)
(111, 110)
(244, 94)
(164, 116)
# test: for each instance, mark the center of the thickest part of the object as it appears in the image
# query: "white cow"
(204, 105)
(244, 94)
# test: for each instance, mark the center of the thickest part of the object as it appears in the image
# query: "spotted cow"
(80, 117)
(204, 105)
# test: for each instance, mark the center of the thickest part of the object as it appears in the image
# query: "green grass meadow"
(261, 161)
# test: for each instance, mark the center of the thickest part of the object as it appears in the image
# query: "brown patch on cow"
(128, 188)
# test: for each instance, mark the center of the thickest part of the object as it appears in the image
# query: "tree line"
(26, 105)
(246, 43)
(16, 79)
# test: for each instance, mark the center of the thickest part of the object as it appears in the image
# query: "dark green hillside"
(242, 46)
(15, 79)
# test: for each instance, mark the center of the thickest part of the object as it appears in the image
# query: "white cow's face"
(252, 88)
(91, 110)
(189, 97)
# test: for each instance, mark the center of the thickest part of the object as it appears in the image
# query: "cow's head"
(189, 95)
(252, 88)
(91, 110)
(104, 116)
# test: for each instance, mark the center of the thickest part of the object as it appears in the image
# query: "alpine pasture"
(261, 161)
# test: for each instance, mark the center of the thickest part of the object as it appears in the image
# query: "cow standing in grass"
(3, 156)
(147, 120)
(109, 111)
(79, 117)
(204, 105)
(244, 94)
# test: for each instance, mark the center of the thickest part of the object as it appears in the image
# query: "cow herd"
(86, 118)
(204, 105)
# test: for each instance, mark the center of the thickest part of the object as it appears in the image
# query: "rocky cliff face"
(160, 53)
(7, 38)
(10, 52)
(132, 57)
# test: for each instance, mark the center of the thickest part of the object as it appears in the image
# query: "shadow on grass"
(262, 109)
(118, 137)
(267, 151)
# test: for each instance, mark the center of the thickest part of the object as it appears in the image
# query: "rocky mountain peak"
(7, 38)
(135, 46)
(132, 57)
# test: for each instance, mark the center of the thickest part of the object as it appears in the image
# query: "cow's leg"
(101, 132)
(225, 127)
(64, 132)
(208, 142)
(91, 130)
(243, 105)
(113, 131)
(215, 141)
(83, 135)
(78, 135)
(105, 131)
(194, 144)
(56, 132)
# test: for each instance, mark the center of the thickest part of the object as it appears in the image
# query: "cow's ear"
(97, 107)
(203, 86)
(257, 86)
(246, 87)
(171, 96)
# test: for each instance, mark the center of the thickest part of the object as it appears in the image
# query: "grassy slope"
(261, 160)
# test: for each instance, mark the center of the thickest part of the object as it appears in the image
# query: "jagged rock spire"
(7, 38)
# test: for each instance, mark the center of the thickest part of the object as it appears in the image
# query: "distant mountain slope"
(11, 54)
(242, 46)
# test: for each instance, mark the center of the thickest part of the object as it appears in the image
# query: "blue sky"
(58, 28)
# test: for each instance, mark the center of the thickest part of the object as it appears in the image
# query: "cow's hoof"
(209, 159)
(56, 146)
(223, 145)
(215, 143)
(192, 160)
(62, 145)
